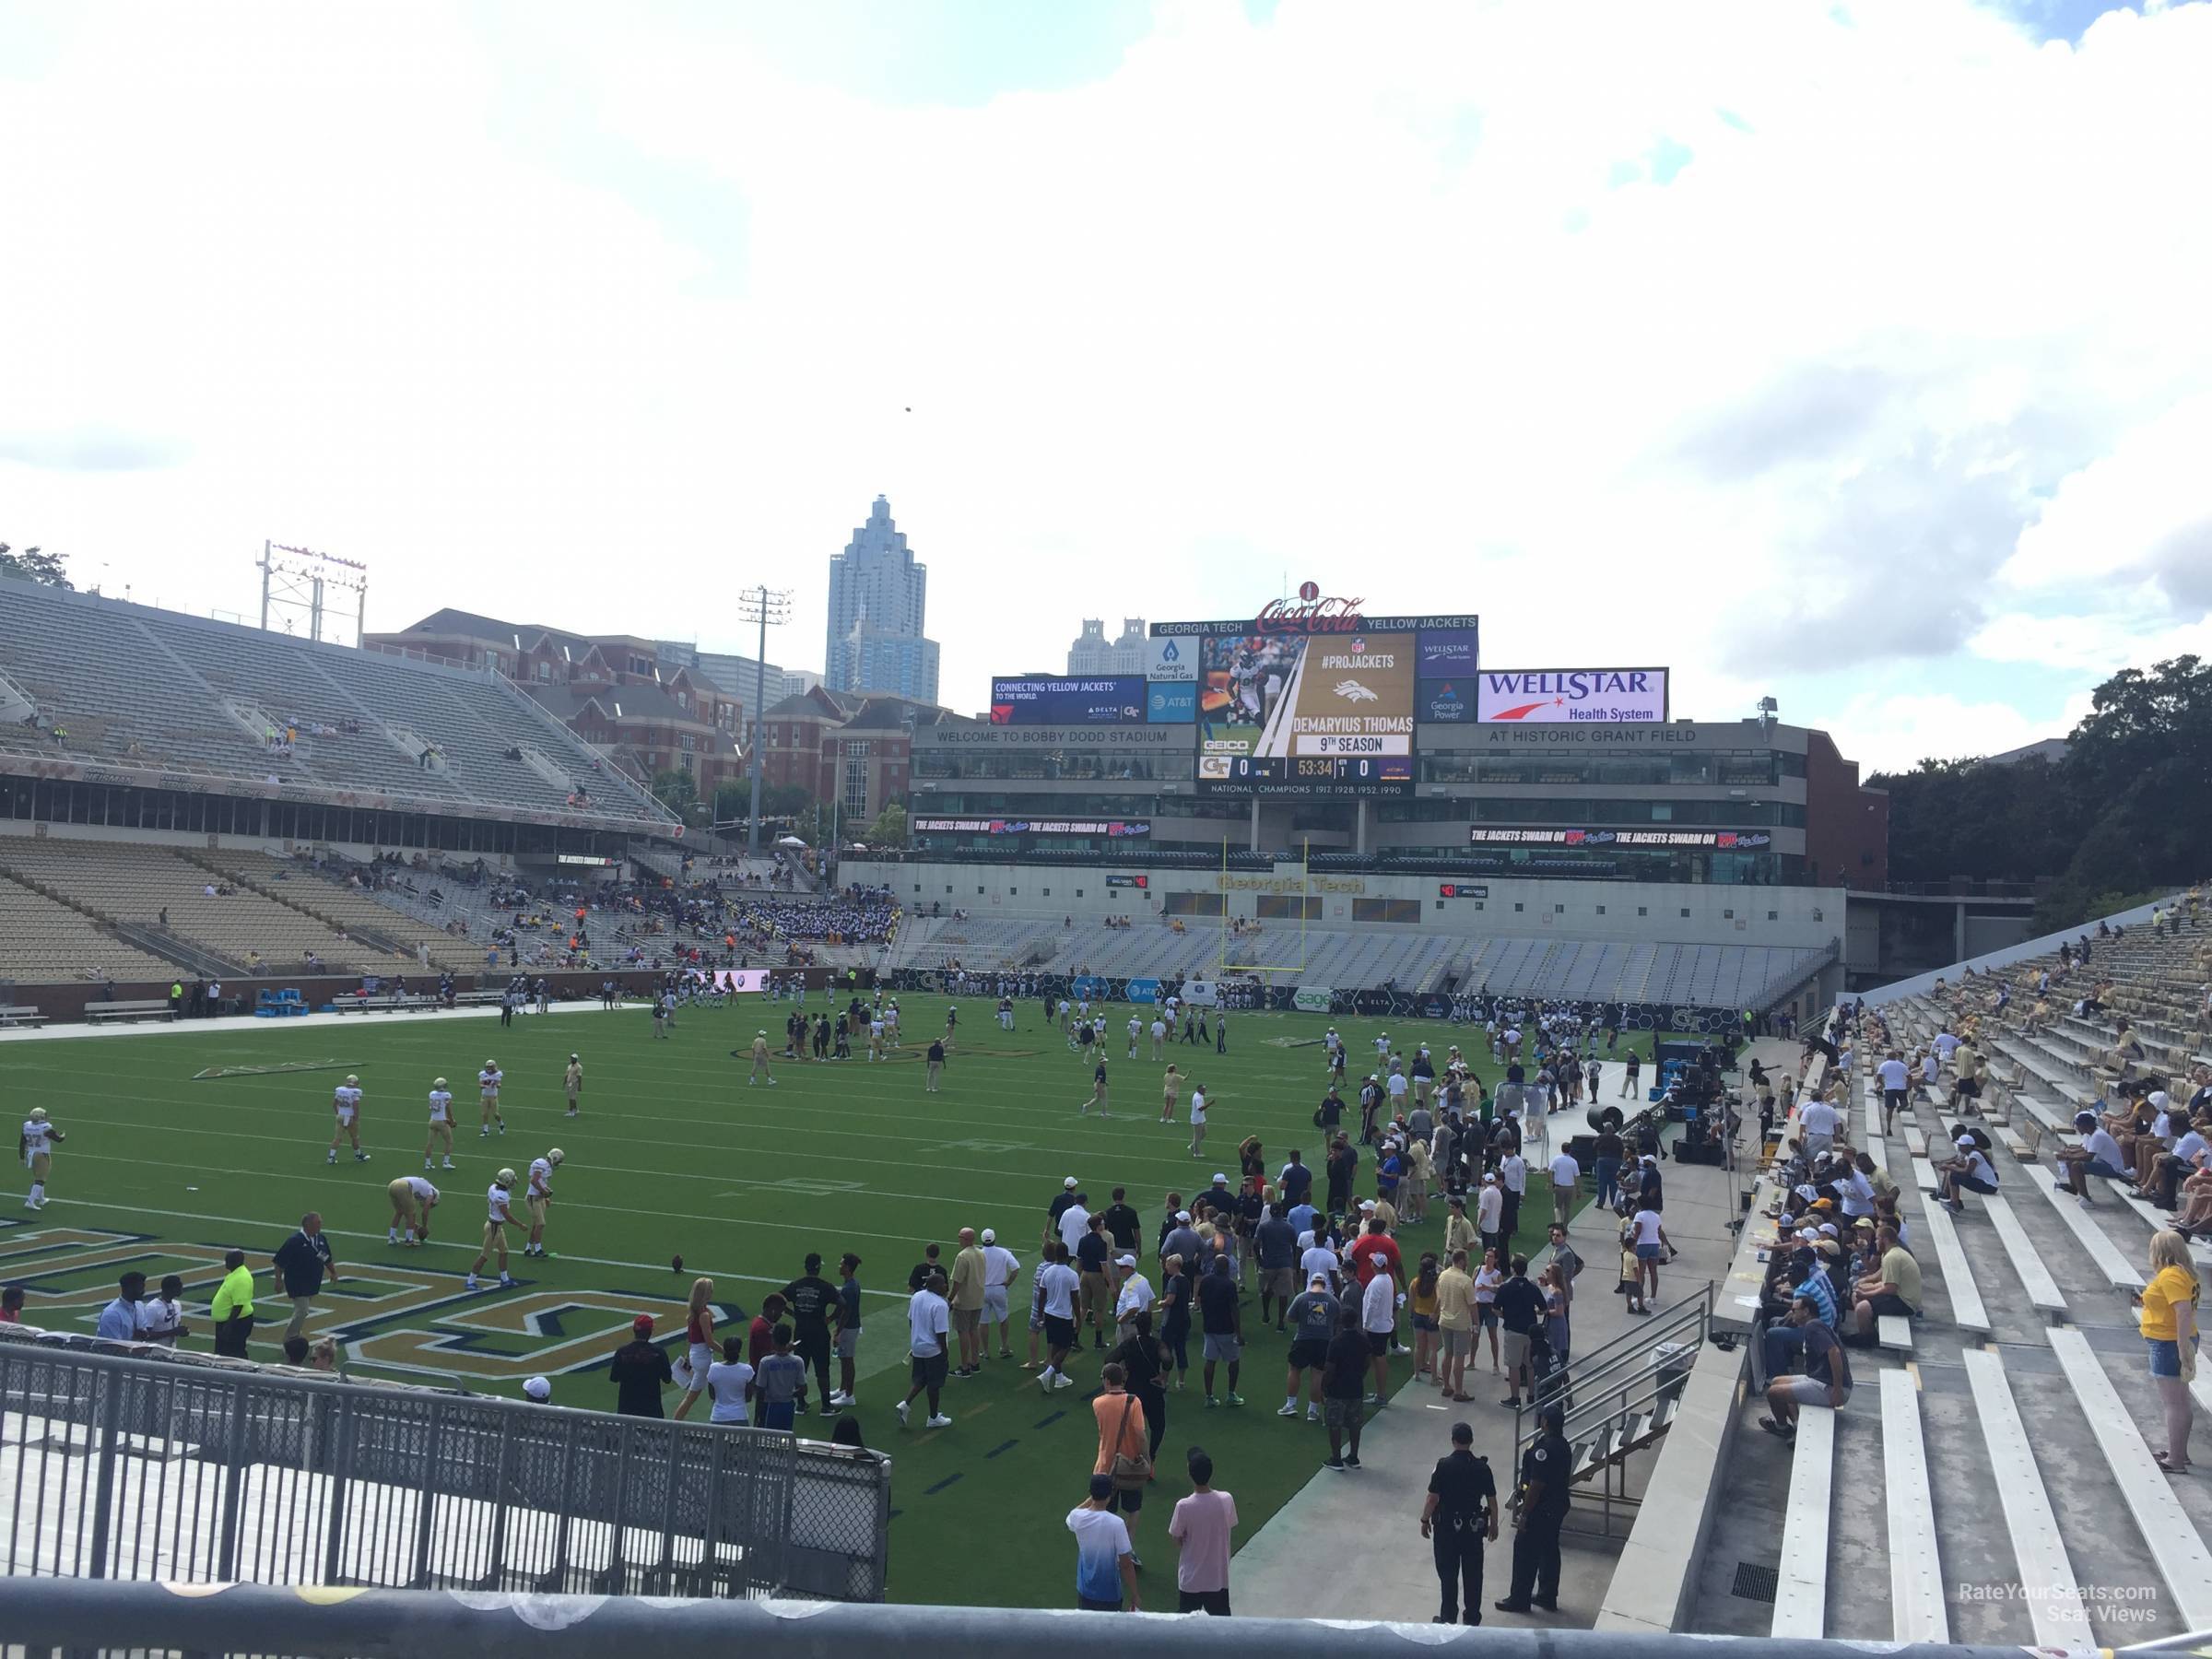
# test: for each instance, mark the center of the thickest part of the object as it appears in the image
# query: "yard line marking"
(614, 1122)
(437, 1244)
(779, 1184)
(286, 1226)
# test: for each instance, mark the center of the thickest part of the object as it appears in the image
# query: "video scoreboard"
(1316, 698)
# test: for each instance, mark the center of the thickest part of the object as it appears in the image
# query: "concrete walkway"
(1349, 1545)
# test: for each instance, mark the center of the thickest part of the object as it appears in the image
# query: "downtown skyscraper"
(879, 593)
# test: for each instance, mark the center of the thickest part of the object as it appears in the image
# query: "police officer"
(1460, 1514)
(1544, 1472)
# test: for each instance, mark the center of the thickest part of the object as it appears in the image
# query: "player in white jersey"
(571, 1083)
(1160, 1035)
(539, 1196)
(1136, 1027)
(890, 1022)
(488, 1091)
(413, 1199)
(499, 1200)
(345, 1106)
(36, 1146)
(442, 1122)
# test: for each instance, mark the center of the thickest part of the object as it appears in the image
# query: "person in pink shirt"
(1201, 1527)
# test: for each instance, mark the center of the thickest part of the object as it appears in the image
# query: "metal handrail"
(1625, 1358)
(425, 1624)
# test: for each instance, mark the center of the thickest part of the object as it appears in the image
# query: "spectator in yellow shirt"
(232, 1310)
(2170, 1327)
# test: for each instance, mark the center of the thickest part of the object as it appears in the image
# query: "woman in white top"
(1650, 1238)
(728, 1382)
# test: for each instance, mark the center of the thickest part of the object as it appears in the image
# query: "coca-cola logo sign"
(1310, 614)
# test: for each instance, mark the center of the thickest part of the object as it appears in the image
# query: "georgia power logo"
(1351, 690)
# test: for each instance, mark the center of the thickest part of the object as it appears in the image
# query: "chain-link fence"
(123, 1463)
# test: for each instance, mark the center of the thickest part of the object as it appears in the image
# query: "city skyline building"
(878, 602)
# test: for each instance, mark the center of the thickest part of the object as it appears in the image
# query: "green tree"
(890, 827)
(785, 800)
(2122, 812)
(676, 790)
(33, 565)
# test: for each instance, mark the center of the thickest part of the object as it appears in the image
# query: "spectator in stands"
(11, 1305)
(1891, 1286)
(2169, 1324)
(1826, 1379)
(1969, 1171)
(2097, 1153)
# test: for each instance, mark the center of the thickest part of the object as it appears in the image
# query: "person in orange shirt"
(1121, 1434)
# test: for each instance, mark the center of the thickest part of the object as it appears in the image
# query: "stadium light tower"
(762, 604)
(294, 581)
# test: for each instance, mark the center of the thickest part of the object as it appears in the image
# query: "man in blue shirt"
(119, 1319)
(1783, 1339)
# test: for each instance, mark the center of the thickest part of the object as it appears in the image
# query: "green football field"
(676, 1154)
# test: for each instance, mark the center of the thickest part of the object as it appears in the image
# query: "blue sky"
(1850, 353)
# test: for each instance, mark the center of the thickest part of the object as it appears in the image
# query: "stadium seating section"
(1717, 976)
(2006, 1436)
(115, 882)
(134, 686)
(43, 940)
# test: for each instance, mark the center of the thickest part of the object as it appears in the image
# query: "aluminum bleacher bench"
(21, 1015)
(2035, 1278)
(99, 1013)
(2038, 1549)
(2119, 1272)
(1801, 1597)
(2168, 1537)
(1917, 1609)
(1967, 1310)
(1894, 1332)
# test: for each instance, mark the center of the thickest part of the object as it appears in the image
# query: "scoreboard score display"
(1314, 699)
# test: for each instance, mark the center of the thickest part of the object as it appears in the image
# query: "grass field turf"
(676, 1154)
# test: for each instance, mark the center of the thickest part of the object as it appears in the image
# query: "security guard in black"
(1461, 1513)
(1544, 1470)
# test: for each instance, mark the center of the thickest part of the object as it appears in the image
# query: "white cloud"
(2096, 644)
(1359, 295)
(1894, 733)
(2142, 509)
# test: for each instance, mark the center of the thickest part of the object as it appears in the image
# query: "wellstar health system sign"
(1570, 696)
